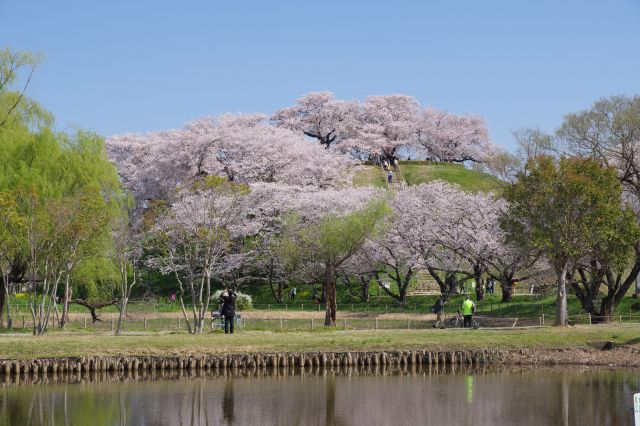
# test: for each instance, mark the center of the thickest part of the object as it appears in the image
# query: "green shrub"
(243, 301)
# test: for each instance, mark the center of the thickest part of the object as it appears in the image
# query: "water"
(342, 396)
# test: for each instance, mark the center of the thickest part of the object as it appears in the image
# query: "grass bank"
(59, 345)
(417, 172)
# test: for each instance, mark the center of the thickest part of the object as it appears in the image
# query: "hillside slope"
(417, 172)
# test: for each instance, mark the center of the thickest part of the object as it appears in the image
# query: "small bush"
(243, 301)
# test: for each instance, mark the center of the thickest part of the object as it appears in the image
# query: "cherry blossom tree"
(389, 258)
(193, 237)
(243, 148)
(426, 218)
(385, 124)
(443, 136)
(320, 116)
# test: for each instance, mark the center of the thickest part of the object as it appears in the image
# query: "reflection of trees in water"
(333, 396)
(227, 402)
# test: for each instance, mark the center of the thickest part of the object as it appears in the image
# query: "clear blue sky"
(118, 66)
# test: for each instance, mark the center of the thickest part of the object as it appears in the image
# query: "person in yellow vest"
(468, 308)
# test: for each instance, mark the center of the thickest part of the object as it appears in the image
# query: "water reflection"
(370, 395)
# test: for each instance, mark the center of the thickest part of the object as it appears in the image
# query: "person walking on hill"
(228, 311)
(468, 308)
(389, 177)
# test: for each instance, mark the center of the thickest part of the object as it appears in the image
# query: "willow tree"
(65, 189)
(11, 244)
(566, 209)
(331, 241)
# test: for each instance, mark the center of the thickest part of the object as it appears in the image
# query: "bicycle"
(217, 322)
(458, 322)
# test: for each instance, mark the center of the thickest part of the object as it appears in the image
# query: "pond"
(316, 396)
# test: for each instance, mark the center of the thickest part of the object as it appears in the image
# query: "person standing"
(228, 311)
(438, 309)
(389, 177)
(292, 293)
(467, 308)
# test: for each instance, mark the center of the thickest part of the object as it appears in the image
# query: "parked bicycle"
(217, 321)
(458, 322)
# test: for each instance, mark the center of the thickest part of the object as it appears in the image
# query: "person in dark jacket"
(438, 309)
(228, 311)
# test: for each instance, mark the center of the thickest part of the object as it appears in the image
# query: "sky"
(138, 66)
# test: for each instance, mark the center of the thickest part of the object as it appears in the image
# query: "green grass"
(27, 347)
(468, 179)
(417, 172)
(369, 176)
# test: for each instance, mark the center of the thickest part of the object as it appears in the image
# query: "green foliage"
(94, 278)
(16, 109)
(417, 172)
(220, 185)
(59, 195)
(335, 238)
(244, 302)
(566, 208)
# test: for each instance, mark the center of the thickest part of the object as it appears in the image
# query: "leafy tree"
(566, 209)
(16, 71)
(331, 241)
(11, 245)
(608, 132)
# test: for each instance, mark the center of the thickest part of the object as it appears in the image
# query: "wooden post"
(280, 323)
(85, 322)
(318, 307)
(286, 307)
(23, 321)
(386, 309)
(620, 319)
(178, 323)
(145, 323)
(312, 323)
(345, 323)
(376, 326)
(302, 307)
(589, 318)
(542, 319)
(112, 323)
(269, 306)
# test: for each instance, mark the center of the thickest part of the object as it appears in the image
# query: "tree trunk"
(364, 289)
(8, 308)
(477, 272)
(123, 308)
(506, 285)
(65, 302)
(561, 294)
(402, 296)
(330, 288)
(275, 286)
(3, 300)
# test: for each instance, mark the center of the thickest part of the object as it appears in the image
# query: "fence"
(24, 323)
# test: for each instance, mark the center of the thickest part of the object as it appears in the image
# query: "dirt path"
(269, 315)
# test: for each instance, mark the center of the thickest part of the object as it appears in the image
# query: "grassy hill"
(417, 172)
